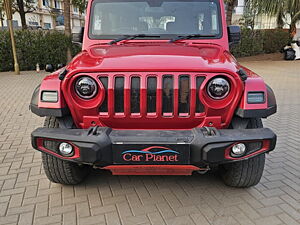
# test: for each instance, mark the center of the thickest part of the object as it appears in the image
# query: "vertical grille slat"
(135, 94)
(119, 94)
(104, 105)
(151, 94)
(199, 105)
(184, 94)
(168, 94)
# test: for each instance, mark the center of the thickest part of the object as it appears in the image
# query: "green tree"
(249, 16)
(23, 7)
(230, 5)
(286, 11)
(81, 5)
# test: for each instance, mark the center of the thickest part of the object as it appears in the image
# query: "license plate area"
(151, 154)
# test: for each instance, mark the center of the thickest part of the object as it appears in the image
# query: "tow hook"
(203, 171)
(209, 131)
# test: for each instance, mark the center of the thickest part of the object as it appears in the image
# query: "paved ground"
(27, 196)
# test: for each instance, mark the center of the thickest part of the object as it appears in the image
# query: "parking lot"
(27, 197)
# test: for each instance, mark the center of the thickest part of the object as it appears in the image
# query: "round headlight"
(86, 87)
(218, 88)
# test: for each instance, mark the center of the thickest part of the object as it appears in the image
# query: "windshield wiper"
(190, 36)
(131, 37)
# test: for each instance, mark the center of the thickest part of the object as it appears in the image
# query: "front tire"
(245, 173)
(60, 171)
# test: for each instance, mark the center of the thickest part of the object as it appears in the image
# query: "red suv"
(155, 91)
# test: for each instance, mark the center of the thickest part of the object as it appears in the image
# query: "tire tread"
(59, 171)
(245, 173)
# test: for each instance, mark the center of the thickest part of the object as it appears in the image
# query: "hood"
(155, 57)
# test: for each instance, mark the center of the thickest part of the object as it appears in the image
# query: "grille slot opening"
(199, 105)
(135, 95)
(168, 95)
(119, 94)
(151, 94)
(184, 95)
(104, 105)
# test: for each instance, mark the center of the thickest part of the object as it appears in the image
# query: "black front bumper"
(101, 146)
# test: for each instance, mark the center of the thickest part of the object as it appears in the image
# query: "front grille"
(148, 95)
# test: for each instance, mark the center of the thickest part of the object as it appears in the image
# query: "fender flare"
(268, 108)
(42, 109)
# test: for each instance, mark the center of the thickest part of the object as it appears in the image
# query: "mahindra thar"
(154, 91)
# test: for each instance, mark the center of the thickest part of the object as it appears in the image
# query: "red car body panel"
(253, 83)
(217, 113)
(52, 83)
(154, 59)
(162, 170)
(148, 60)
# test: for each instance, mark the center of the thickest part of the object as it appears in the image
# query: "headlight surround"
(86, 87)
(218, 88)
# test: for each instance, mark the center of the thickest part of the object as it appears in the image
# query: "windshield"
(167, 19)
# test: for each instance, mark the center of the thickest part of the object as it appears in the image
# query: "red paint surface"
(52, 83)
(218, 112)
(152, 169)
(207, 58)
(253, 83)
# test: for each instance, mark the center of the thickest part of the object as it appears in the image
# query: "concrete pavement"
(27, 197)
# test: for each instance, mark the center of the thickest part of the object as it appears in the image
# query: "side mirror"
(77, 35)
(234, 35)
(49, 68)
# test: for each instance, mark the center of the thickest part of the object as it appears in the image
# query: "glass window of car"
(166, 18)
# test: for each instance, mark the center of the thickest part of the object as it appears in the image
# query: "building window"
(47, 25)
(60, 20)
(15, 23)
(75, 9)
(46, 3)
(32, 23)
(57, 4)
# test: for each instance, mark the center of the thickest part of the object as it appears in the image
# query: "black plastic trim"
(256, 113)
(96, 144)
(243, 74)
(62, 74)
(271, 97)
(49, 112)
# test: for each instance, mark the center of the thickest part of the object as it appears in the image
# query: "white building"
(48, 15)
